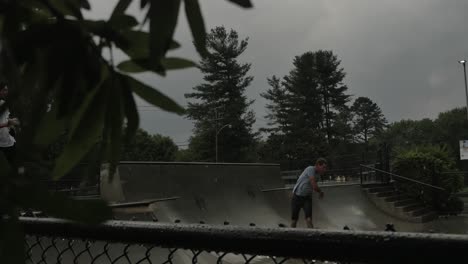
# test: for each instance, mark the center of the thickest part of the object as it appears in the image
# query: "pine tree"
(369, 120)
(277, 108)
(305, 106)
(303, 133)
(221, 101)
(343, 126)
(329, 79)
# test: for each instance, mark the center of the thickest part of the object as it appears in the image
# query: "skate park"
(246, 195)
(201, 203)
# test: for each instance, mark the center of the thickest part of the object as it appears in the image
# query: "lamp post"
(216, 144)
(463, 62)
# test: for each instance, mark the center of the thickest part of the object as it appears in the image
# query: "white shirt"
(6, 140)
(303, 185)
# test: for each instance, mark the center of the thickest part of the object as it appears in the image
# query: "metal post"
(463, 62)
(435, 193)
(360, 172)
(466, 89)
(216, 146)
(216, 139)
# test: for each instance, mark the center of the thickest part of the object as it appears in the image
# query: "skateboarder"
(7, 141)
(302, 191)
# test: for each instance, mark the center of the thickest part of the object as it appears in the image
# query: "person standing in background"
(7, 141)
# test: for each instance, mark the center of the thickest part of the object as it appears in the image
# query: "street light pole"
(463, 62)
(216, 140)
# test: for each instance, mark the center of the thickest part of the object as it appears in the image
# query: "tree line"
(445, 131)
(310, 112)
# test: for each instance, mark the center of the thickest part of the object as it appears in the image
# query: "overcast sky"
(400, 53)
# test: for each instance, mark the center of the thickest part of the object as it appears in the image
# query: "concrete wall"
(136, 181)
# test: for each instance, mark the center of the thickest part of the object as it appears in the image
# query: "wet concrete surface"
(232, 195)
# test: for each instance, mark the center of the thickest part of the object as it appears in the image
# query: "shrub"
(427, 164)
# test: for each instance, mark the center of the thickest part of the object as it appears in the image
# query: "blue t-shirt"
(303, 186)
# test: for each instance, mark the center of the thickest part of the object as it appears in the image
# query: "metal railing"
(59, 241)
(402, 178)
(430, 195)
(330, 177)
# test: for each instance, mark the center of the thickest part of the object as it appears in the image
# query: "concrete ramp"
(209, 193)
(232, 194)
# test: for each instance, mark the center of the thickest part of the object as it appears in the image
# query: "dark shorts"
(10, 153)
(298, 202)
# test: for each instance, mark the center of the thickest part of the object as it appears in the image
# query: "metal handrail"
(321, 186)
(328, 171)
(381, 247)
(405, 178)
(142, 203)
(79, 189)
(454, 172)
(124, 162)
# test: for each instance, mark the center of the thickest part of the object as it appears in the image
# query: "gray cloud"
(401, 54)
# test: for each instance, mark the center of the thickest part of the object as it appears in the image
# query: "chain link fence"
(61, 250)
(59, 241)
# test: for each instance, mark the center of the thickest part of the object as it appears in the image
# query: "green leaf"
(243, 3)
(197, 25)
(77, 4)
(130, 110)
(153, 96)
(36, 12)
(163, 20)
(137, 44)
(86, 129)
(50, 128)
(123, 22)
(88, 132)
(174, 63)
(91, 100)
(115, 122)
(61, 7)
(12, 241)
(120, 8)
(74, 7)
(171, 63)
(143, 3)
(132, 66)
(77, 148)
(107, 30)
(38, 18)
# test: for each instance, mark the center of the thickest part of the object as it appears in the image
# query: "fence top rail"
(328, 171)
(404, 178)
(282, 242)
(196, 163)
